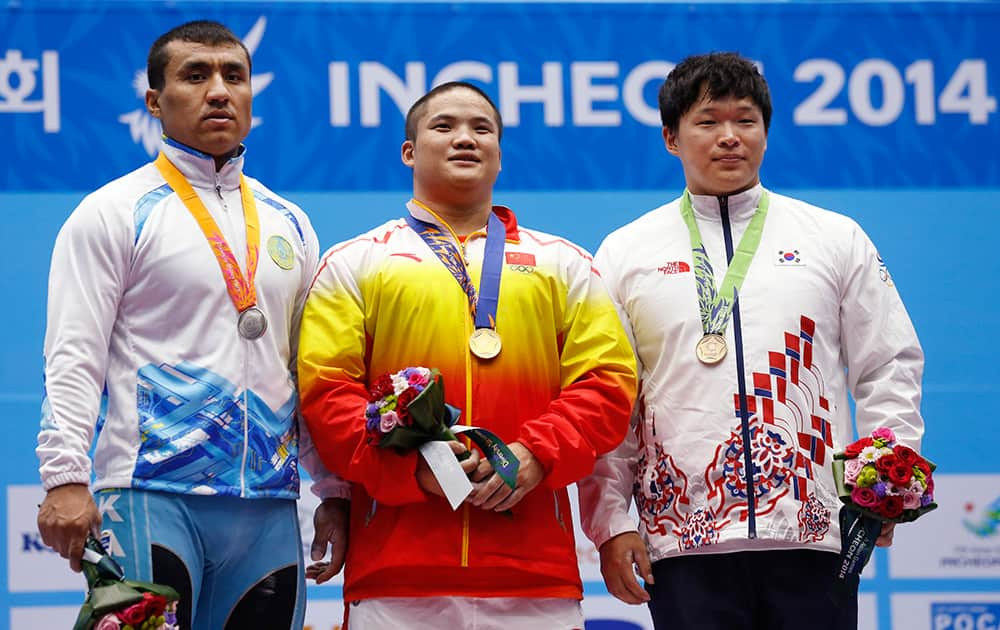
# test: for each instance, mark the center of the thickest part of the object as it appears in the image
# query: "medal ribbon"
(858, 534)
(482, 305)
(241, 289)
(716, 307)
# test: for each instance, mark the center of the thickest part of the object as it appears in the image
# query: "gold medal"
(485, 343)
(711, 348)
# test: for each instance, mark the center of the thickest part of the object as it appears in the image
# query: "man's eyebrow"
(202, 64)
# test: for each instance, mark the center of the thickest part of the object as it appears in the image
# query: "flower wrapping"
(407, 409)
(115, 603)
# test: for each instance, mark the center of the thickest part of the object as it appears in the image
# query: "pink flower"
(419, 378)
(885, 434)
(108, 622)
(388, 422)
(911, 500)
(852, 468)
(865, 497)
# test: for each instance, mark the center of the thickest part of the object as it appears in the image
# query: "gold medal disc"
(485, 343)
(711, 349)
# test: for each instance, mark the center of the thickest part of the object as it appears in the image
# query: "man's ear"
(670, 141)
(406, 153)
(153, 102)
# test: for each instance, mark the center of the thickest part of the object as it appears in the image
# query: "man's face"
(206, 98)
(720, 144)
(456, 150)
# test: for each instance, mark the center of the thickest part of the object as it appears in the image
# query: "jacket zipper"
(466, 510)
(246, 375)
(748, 473)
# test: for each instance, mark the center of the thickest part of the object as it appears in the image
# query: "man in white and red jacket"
(753, 316)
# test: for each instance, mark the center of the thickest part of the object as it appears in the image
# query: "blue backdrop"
(886, 112)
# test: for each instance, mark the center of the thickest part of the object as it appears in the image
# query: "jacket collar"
(505, 214)
(199, 168)
(741, 205)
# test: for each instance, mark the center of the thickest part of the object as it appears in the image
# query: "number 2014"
(964, 93)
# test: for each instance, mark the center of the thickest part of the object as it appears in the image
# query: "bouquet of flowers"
(114, 603)
(406, 410)
(878, 480)
(883, 479)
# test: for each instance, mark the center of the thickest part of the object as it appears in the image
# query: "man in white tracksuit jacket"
(175, 296)
(742, 402)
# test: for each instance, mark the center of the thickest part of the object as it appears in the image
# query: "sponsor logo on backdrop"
(983, 552)
(984, 523)
(31, 542)
(965, 616)
(33, 566)
(145, 130)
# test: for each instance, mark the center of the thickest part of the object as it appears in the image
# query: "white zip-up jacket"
(817, 317)
(141, 343)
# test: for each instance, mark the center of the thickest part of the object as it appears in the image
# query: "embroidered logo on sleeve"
(789, 257)
(671, 268)
(281, 252)
(883, 271)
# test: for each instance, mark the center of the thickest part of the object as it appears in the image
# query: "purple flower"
(925, 500)
(880, 489)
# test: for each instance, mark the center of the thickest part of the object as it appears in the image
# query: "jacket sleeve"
(87, 276)
(605, 494)
(333, 381)
(884, 359)
(590, 415)
(326, 485)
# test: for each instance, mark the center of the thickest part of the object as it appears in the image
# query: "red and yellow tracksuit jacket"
(563, 386)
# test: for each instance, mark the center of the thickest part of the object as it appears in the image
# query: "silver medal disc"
(252, 323)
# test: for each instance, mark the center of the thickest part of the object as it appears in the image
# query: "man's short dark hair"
(200, 31)
(417, 109)
(719, 75)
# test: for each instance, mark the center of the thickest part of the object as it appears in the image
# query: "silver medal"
(252, 323)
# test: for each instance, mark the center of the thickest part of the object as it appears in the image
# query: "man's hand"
(621, 557)
(330, 525)
(491, 493)
(65, 517)
(425, 477)
(885, 537)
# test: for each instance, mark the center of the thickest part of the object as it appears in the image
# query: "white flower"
(869, 454)
(399, 383)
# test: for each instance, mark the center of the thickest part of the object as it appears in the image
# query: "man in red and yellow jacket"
(559, 392)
